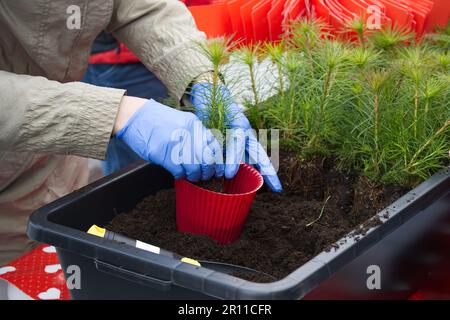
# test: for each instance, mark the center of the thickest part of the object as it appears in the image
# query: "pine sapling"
(391, 37)
(357, 26)
(427, 143)
(306, 34)
(275, 51)
(334, 55)
(218, 52)
(376, 81)
(415, 61)
(249, 56)
(432, 88)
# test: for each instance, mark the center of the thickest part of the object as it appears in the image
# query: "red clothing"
(115, 56)
(123, 55)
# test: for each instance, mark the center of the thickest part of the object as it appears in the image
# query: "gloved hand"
(200, 98)
(175, 140)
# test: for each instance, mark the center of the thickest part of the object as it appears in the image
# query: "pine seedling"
(292, 64)
(358, 27)
(416, 61)
(432, 88)
(363, 57)
(284, 110)
(376, 81)
(331, 58)
(391, 37)
(360, 60)
(306, 35)
(442, 130)
(362, 147)
(218, 52)
(249, 55)
(443, 60)
(275, 51)
(326, 91)
(440, 39)
(421, 161)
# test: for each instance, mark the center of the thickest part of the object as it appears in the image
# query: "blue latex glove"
(244, 141)
(175, 140)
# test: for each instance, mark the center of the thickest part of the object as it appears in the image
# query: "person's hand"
(244, 141)
(174, 139)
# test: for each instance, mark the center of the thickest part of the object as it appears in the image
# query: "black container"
(415, 236)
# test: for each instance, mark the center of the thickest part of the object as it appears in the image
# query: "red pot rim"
(245, 165)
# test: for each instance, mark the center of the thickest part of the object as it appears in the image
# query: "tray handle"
(159, 284)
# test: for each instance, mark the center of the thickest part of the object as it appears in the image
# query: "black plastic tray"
(404, 247)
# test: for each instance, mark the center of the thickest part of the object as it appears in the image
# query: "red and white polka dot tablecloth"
(37, 274)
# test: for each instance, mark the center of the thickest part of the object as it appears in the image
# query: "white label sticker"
(147, 247)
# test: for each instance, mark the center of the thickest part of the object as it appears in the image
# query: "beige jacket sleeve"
(163, 34)
(43, 116)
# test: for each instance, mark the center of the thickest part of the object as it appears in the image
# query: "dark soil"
(276, 239)
(215, 184)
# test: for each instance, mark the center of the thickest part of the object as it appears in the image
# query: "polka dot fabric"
(38, 274)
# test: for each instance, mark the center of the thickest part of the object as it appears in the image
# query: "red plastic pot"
(221, 216)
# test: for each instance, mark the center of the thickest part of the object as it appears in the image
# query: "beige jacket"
(45, 115)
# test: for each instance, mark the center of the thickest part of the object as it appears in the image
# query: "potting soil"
(282, 231)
